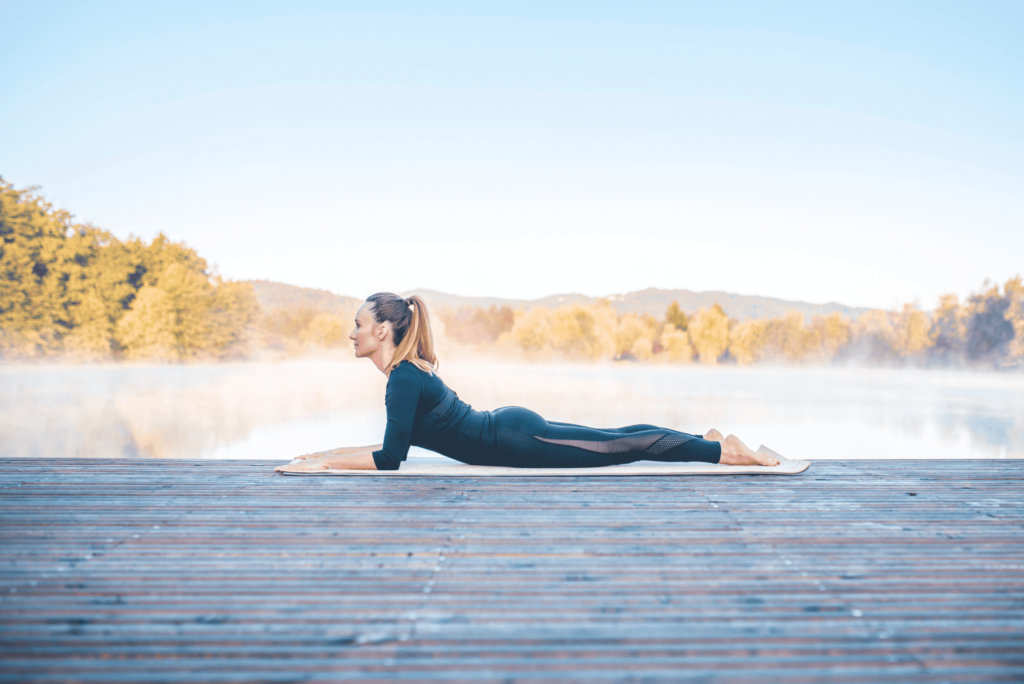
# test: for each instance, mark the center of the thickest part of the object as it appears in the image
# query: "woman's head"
(387, 321)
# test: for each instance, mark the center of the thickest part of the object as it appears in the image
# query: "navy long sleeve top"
(424, 412)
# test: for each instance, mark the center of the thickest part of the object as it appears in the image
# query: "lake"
(277, 410)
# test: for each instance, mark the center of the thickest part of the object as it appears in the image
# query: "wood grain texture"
(218, 571)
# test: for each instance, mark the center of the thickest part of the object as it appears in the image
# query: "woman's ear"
(382, 331)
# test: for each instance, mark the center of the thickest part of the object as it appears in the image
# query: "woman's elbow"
(385, 462)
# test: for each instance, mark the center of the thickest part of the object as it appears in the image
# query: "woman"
(395, 334)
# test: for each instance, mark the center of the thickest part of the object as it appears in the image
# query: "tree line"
(73, 290)
(985, 330)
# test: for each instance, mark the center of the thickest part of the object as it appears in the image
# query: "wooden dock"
(171, 571)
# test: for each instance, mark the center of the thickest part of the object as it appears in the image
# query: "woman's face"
(367, 336)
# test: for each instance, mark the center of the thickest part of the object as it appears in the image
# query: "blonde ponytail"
(410, 322)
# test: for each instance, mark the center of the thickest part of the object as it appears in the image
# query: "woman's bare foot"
(735, 452)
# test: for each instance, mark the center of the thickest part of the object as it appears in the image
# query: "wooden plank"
(125, 570)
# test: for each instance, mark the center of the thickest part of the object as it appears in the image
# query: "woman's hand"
(306, 464)
(329, 461)
(305, 457)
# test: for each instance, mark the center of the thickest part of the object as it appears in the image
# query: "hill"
(271, 295)
(654, 302)
(651, 301)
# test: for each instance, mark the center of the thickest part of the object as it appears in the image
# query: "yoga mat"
(449, 468)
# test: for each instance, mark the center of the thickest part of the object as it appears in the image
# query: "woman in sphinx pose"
(395, 334)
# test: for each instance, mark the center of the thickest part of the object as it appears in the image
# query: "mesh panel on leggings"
(612, 446)
(665, 443)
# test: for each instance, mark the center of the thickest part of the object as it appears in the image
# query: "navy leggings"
(522, 439)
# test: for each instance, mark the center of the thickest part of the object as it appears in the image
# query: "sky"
(868, 153)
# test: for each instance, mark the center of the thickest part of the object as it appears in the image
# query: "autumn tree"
(146, 331)
(912, 332)
(1014, 292)
(585, 332)
(948, 330)
(92, 334)
(75, 289)
(747, 341)
(34, 273)
(231, 316)
(325, 331)
(184, 315)
(676, 347)
(532, 330)
(874, 336)
(709, 333)
(634, 336)
(831, 334)
(989, 332)
(786, 337)
(575, 331)
(477, 325)
(675, 317)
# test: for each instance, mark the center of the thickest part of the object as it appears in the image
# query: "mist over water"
(278, 410)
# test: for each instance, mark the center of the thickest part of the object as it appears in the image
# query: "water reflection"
(278, 410)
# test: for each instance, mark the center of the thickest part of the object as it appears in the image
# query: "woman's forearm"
(342, 451)
(357, 461)
(345, 451)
